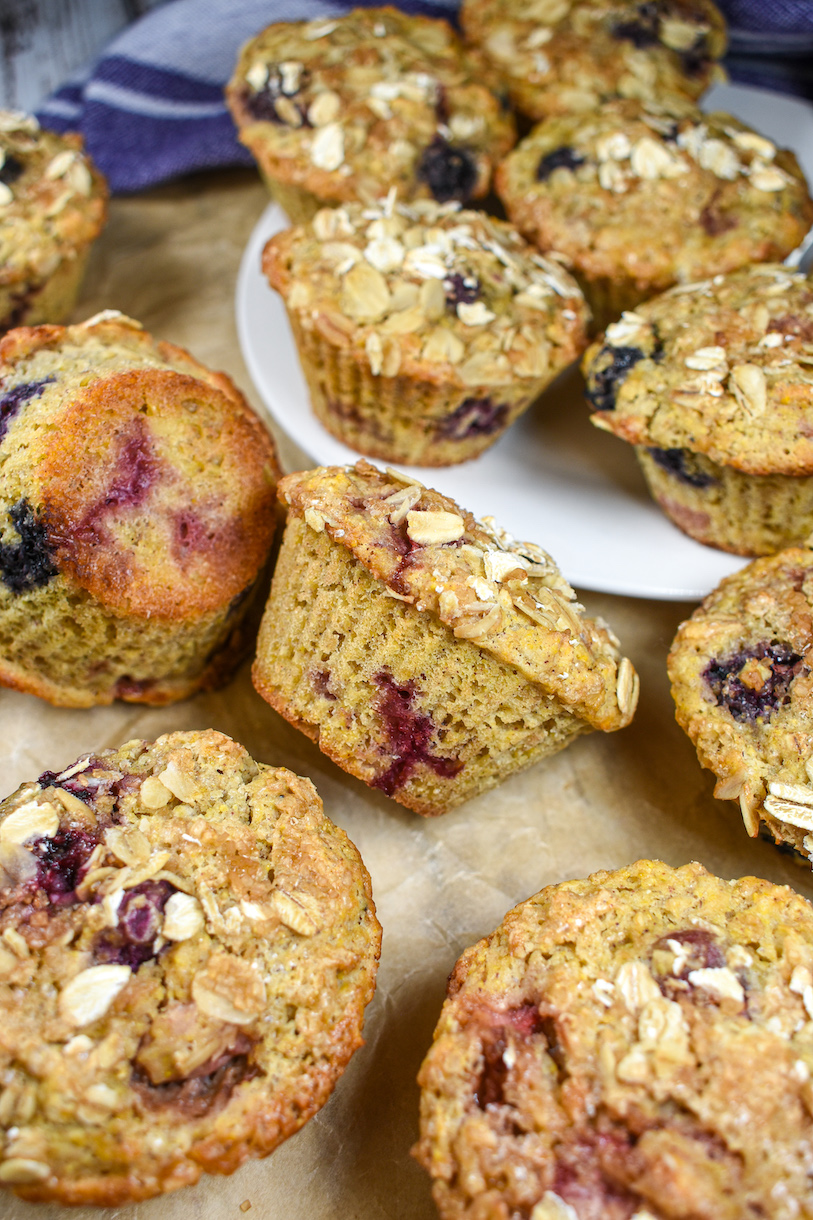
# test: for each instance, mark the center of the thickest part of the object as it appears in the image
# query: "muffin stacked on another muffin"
(343, 108)
(568, 56)
(637, 199)
(742, 680)
(136, 515)
(53, 204)
(634, 1046)
(427, 654)
(713, 384)
(423, 331)
(188, 945)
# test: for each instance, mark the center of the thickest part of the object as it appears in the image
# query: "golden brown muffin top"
(429, 291)
(723, 367)
(148, 477)
(348, 106)
(52, 198)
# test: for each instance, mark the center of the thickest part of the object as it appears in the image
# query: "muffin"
(423, 331)
(638, 199)
(344, 108)
(136, 515)
(569, 56)
(188, 944)
(635, 1046)
(742, 680)
(713, 384)
(53, 204)
(425, 653)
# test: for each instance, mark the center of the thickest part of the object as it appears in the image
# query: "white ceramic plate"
(553, 478)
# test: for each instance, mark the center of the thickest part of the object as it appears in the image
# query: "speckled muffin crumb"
(426, 653)
(568, 56)
(638, 198)
(53, 204)
(742, 680)
(187, 945)
(344, 108)
(424, 331)
(713, 384)
(136, 515)
(635, 1046)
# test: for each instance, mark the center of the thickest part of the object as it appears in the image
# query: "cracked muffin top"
(52, 198)
(136, 471)
(723, 367)
(662, 197)
(429, 291)
(634, 1046)
(742, 680)
(564, 56)
(507, 597)
(346, 107)
(187, 945)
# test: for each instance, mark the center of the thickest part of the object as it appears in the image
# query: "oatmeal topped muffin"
(633, 1046)
(188, 945)
(742, 680)
(427, 653)
(53, 204)
(638, 199)
(343, 108)
(424, 331)
(564, 56)
(712, 383)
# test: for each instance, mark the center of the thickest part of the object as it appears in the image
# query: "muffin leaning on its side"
(344, 108)
(742, 680)
(427, 654)
(637, 198)
(713, 385)
(423, 331)
(53, 204)
(136, 515)
(633, 1046)
(188, 947)
(569, 56)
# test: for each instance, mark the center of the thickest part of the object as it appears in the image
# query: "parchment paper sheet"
(169, 258)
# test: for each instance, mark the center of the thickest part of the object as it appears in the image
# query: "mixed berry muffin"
(742, 680)
(634, 1046)
(423, 331)
(425, 653)
(53, 204)
(136, 515)
(638, 199)
(569, 56)
(342, 109)
(713, 385)
(187, 948)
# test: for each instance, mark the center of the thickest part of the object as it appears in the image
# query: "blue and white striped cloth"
(151, 108)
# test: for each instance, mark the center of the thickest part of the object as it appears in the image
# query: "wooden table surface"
(169, 258)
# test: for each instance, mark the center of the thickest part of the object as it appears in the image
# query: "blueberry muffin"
(423, 331)
(742, 680)
(136, 515)
(425, 653)
(634, 1046)
(187, 946)
(713, 385)
(53, 204)
(638, 199)
(345, 108)
(568, 56)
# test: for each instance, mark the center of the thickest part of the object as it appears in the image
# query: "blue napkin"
(151, 108)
